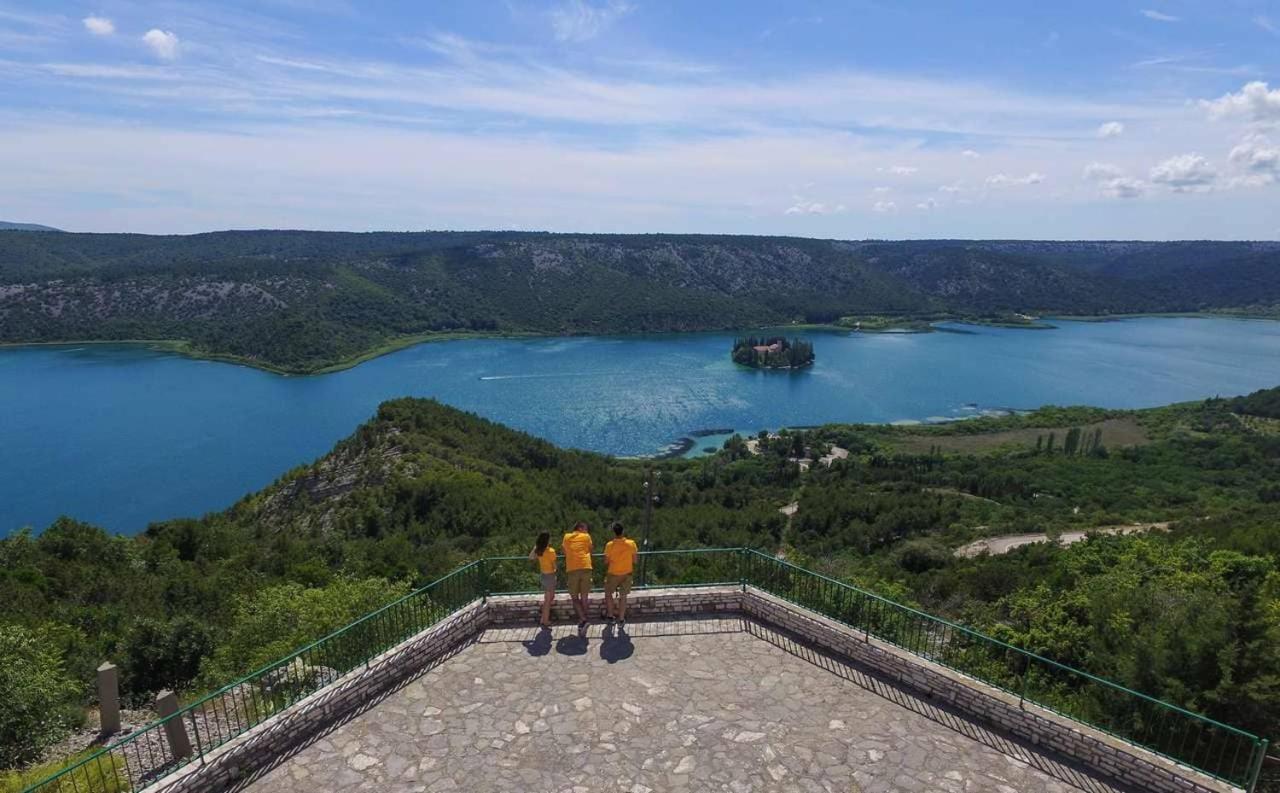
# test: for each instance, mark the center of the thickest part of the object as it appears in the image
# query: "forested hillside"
(301, 301)
(1191, 614)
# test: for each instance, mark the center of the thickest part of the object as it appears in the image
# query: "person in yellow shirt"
(620, 556)
(545, 556)
(577, 547)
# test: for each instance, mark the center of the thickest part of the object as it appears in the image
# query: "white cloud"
(884, 206)
(579, 20)
(99, 26)
(950, 188)
(970, 154)
(1259, 158)
(1185, 173)
(927, 204)
(1097, 171)
(163, 43)
(1254, 102)
(1111, 129)
(1266, 24)
(1112, 182)
(1151, 13)
(803, 207)
(1004, 180)
(899, 170)
(881, 189)
(1124, 187)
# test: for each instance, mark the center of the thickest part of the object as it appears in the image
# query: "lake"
(122, 435)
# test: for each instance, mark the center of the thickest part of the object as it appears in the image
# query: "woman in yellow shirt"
(545, 556)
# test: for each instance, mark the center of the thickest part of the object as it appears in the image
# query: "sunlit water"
(122, 435)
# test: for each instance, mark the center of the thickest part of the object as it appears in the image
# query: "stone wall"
(645, 604)
(270, 742)
(265, 745)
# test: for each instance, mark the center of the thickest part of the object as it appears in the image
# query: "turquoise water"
(122, 435)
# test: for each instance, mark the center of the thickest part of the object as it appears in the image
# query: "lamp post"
(650, 481)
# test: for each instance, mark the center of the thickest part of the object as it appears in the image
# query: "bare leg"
(622, 607)
(608, 601)
(580, 606)
(548, 598)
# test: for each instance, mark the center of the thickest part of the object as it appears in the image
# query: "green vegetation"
(1191, 615)
(1264, 404)
(35, 690)
(774, 352)
(303, 302)
(106, 774)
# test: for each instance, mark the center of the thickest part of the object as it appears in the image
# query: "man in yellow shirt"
(577, 547)
(620, 555)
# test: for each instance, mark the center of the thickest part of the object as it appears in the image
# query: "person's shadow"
(615, 645)
(572, 645)
(540, 645)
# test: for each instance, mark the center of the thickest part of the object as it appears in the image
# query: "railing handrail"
(483, 583)
(1028, 653)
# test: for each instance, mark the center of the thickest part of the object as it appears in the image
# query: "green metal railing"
(144, 756)
(1217, 749)
(1197, 741)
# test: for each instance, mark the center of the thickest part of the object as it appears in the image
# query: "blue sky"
(1156, 119)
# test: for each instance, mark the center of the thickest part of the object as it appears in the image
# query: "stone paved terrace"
(723, 704)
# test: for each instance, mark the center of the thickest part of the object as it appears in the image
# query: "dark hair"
(617, 528)
(581, 526)
(541, 545)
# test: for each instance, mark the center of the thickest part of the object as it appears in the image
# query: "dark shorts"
(548, 582)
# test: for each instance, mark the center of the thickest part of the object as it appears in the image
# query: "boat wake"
(545, 375)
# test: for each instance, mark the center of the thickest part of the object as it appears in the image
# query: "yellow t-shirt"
(620, 553)
(547, 561)
(577, 551)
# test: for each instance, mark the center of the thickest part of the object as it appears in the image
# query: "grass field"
(1116, 432)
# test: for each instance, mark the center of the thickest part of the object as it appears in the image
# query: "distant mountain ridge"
(6, 225)
(303, 300)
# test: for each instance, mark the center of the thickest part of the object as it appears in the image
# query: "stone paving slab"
(687, 705)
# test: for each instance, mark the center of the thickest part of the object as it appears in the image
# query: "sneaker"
(622, 626)
(582, 626)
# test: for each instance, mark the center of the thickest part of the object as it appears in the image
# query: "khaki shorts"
(621, 583)
(579, 582)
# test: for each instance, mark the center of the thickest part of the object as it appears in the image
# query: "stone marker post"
(109, 697)
(174, 729)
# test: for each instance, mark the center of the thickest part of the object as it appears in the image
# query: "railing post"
(109, 697)
(1255, 772)
(195, 730)
(174, 729)
(742, 568)
(1022, 695)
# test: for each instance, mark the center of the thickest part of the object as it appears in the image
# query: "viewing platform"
(736, 671)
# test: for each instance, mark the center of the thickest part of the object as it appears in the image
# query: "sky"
(1094, 119)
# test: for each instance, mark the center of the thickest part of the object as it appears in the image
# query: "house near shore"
(768, 348)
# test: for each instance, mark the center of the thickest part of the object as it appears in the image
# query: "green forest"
(1190, 614)
(774, 352)
(302, 301)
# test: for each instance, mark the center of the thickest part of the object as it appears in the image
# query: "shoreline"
(185, 348)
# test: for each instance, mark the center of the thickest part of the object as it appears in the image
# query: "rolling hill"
(301, 301)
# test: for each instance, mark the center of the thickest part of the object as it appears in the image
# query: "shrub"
(35, 691)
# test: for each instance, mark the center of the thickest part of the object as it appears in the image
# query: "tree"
(277, 620)
(35, 691)
(163, 654)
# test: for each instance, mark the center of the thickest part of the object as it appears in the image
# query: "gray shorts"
(548, 582)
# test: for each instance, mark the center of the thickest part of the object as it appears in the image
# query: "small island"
(773, 353)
